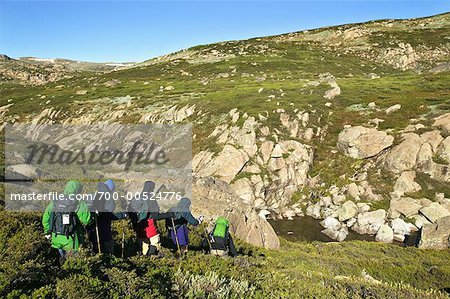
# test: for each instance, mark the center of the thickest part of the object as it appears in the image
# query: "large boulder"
(404, 206)
(385, 234)
(434, 138)
(443, 149)
(360, 142)
(26, 170)
(443, 122)
(434, 211)
(406, 184)
(213, 198)
(370, 222)
(226, 164)
(347, 211)
(403, 157)
(436, 235)
(402, 228)
(331, 223)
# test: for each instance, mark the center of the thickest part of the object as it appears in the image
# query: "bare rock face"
(436, 235)
(434, 212)
(406, 184)
(444, 149)
(370, 222)
(403, 156)
(347, 211)
(404, 206)
(361, 142)
(26, 170)
(443, 122)
(227, 164)
(213, 198)
(385, 234)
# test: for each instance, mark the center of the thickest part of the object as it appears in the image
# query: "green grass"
(298, 270)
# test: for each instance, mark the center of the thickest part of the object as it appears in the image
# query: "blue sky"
(135, 31)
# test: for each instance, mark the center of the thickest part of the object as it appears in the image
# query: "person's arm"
(161, 216)
(83, 213)
(46, 218)
(190, 218)
(142, 216)
(231, 247)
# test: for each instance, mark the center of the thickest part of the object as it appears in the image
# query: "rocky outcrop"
(436, 235)
(443, 122)
(385, 234)
(370, 222)
(213, 198)
(226, 165)
(246, 154)
(406, 184)
(403, 156)
(361, 142)
(434, 212)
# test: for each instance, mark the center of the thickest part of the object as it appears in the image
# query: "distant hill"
(36, 71)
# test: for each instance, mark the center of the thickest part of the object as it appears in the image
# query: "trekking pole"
(176, 236)
(123, 240)
(209, 242)
(98, 235)
(207, 239)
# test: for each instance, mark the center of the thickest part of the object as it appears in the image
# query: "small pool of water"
(308, 229)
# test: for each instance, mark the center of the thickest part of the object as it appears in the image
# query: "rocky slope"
(347, 124)
(37, 71)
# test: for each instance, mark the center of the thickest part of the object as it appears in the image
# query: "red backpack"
(150, 229)
(146, 229)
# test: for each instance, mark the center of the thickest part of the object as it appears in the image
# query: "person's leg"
(154, 245)
(62, 256)
(183, 238)
(108, 247)
(95, 247)
(145, 246)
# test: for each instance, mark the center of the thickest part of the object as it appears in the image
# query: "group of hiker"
(67, 222)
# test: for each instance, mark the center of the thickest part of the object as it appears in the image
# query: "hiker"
(102, 215)
(219, 241)
(63, 221)
(147, 212)
(177, 226)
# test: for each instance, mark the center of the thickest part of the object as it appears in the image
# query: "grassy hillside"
(299, 270)
(370, 62)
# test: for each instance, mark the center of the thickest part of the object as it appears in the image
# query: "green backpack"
(221, 228)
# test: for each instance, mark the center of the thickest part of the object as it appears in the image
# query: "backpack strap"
(52, 220)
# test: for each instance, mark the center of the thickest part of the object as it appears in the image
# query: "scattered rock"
(406, 184)
(403, 156)
(385, 234)
(434, 211)
(26, 170)
(436, 235)
(360, 142)
(347, 211)
(370, 222)
(393, 108)
(81, 92)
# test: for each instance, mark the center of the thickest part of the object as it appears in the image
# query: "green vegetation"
(256, 76)
(29, 268)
